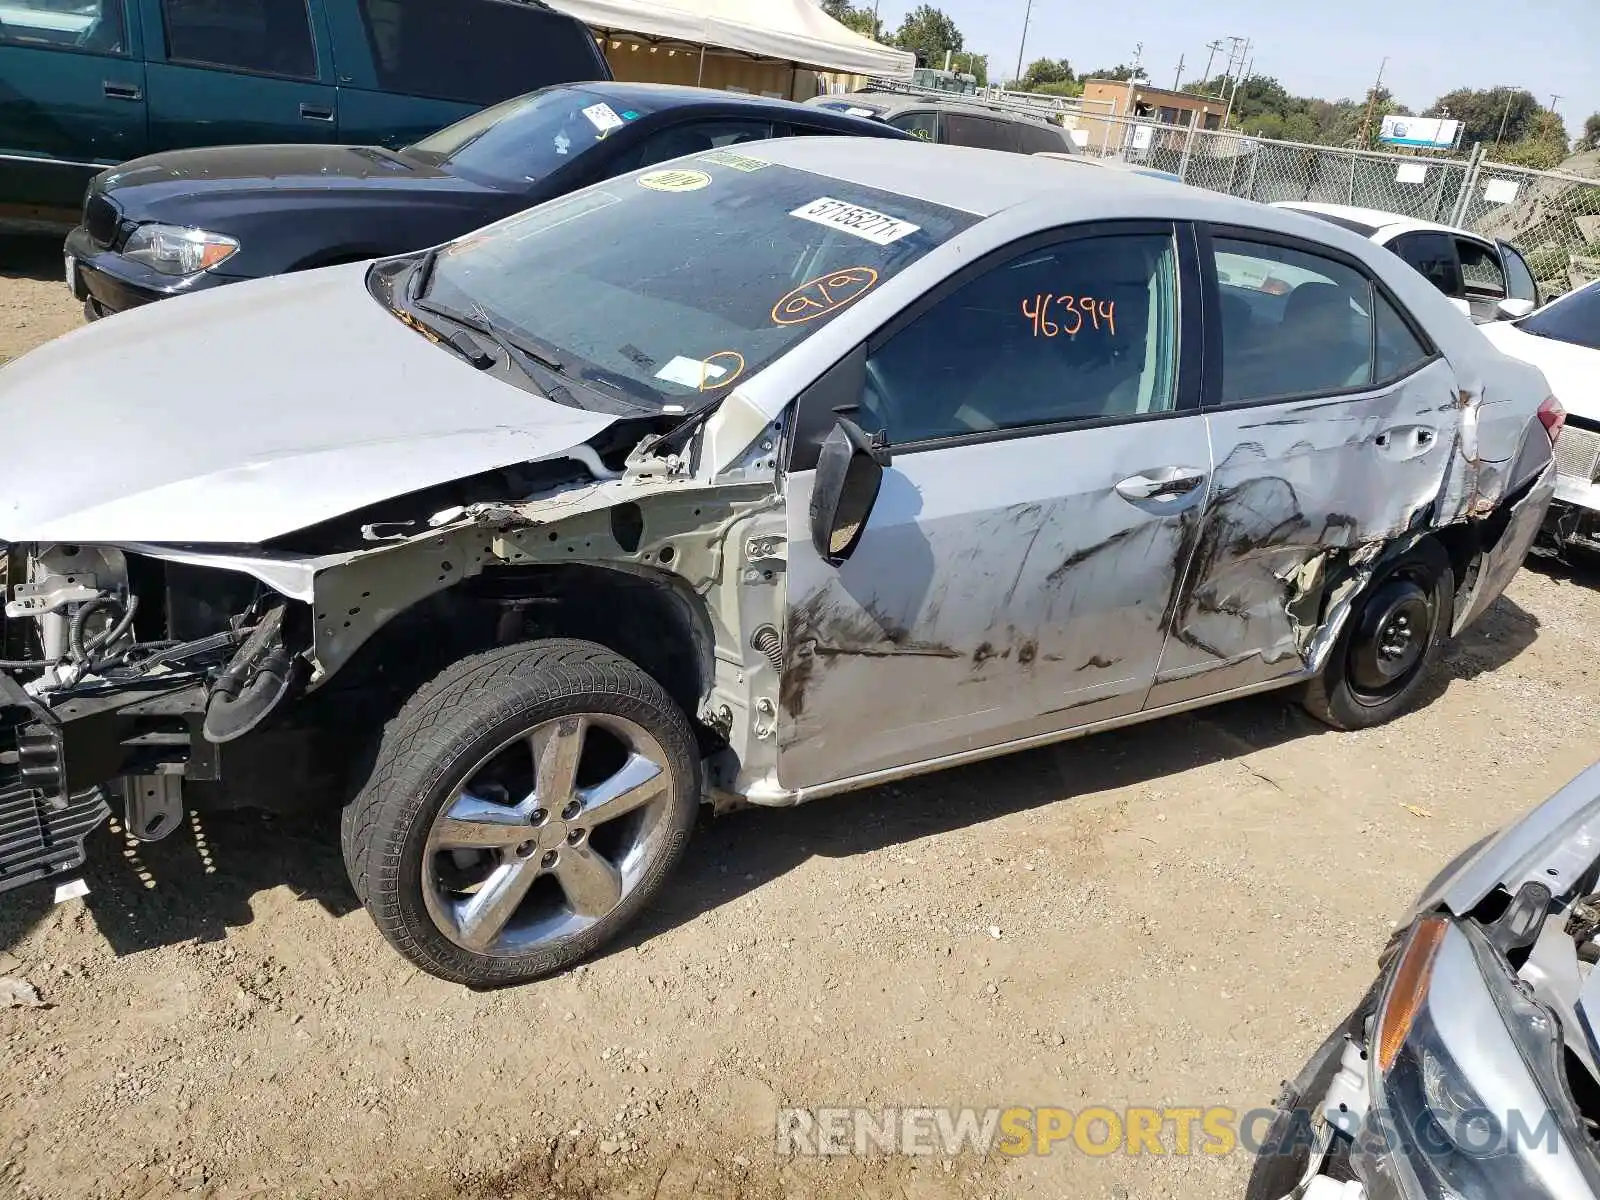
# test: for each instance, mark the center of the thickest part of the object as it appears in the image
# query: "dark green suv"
(85, 84)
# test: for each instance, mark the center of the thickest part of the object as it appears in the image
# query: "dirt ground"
(1169, 915)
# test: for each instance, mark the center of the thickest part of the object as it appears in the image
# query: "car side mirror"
(1512, 309)
(849, 473)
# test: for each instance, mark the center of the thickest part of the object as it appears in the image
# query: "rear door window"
(1433, 255)
(475, 51)
(1293, 323)
(262, 37)
(964, 129)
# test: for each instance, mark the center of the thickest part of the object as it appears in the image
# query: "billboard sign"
(1430, 133)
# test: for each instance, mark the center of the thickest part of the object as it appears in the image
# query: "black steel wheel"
(1388, 643)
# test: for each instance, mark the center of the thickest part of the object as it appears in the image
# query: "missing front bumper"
(58, 767)
(43, 823)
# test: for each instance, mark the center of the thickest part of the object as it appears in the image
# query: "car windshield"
(677, 282)
(524, 139)
(1574, 318)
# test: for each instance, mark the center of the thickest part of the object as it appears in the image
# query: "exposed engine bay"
(176, 659)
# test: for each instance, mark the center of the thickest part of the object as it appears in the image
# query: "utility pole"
(1372, 98)
(1027, 15)
(1242, 56)
(1504, 117)
(1213, 47)
(1554, 97)
(1133, 77)
(1177, 76)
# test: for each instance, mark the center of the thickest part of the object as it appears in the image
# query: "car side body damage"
(759, 601)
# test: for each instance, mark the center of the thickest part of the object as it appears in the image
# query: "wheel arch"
(649, 617)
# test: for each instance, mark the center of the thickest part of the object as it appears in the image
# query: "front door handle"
(1163, 483)
(315, 112)
(122, 91)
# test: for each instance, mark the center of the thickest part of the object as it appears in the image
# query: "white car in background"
(1487, 279)
(1562, 339)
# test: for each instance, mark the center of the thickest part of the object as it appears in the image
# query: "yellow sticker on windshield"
(675, 181)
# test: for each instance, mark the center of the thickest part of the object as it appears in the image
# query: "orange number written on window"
(1072, 314)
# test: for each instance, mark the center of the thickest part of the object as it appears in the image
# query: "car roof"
(1110, 164)
(1370, 222)
(980, 182)
(663, 96)
(889, 104)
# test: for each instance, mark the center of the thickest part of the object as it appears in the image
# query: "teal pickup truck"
(86, 84)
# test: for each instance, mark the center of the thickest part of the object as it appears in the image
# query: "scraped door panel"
(1001, 590)
(1293, 482)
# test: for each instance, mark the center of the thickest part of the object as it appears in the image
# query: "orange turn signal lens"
(1408, 989)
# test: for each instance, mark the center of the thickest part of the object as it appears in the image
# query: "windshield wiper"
(478, 321)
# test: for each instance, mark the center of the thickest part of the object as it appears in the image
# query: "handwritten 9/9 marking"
(1073, 313)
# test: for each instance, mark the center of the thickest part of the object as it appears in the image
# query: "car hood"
(1573, 371)
(1554, 843)
(144, 187)
(248, 412)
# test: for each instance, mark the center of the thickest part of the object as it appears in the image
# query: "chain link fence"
(1552, 218)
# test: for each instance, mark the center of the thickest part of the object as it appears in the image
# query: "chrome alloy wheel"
(547, 834)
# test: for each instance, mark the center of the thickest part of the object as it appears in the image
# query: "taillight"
(1553, 417)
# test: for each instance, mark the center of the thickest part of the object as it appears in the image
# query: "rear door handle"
(1406, 441)
(315, 112)
(122, 91)
(1163, 483)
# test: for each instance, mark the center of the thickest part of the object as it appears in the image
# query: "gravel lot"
(1171, 914)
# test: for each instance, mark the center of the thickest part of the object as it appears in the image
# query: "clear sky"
(1314, 48)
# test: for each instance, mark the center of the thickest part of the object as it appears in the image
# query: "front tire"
(524, 806)
(1391, 639)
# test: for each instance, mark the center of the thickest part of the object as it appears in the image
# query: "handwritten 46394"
(1072, 314)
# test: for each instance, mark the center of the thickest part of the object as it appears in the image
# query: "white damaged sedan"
(752, 478)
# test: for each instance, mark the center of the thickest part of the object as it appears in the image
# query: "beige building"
(1102, 96)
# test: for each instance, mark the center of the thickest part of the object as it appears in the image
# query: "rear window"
(523, 140)
(1040, 138)
(1350, 223)
(477, 51)
(673, 284)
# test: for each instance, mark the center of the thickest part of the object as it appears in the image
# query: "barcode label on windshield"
(868, 224)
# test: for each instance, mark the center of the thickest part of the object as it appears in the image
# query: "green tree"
(928, 32)
(1544, 148)
(1485, 112)
(1121, 71)
(1591, 133)
(862, 20)
(1045, 70)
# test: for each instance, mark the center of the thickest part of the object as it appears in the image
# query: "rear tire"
(1389, 642)
(471, 843)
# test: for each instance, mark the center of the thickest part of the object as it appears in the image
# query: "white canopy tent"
(796, 31)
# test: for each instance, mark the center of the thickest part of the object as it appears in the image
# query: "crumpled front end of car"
(1471, 1070)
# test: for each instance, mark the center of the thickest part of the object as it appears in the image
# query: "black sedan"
(185, 220)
